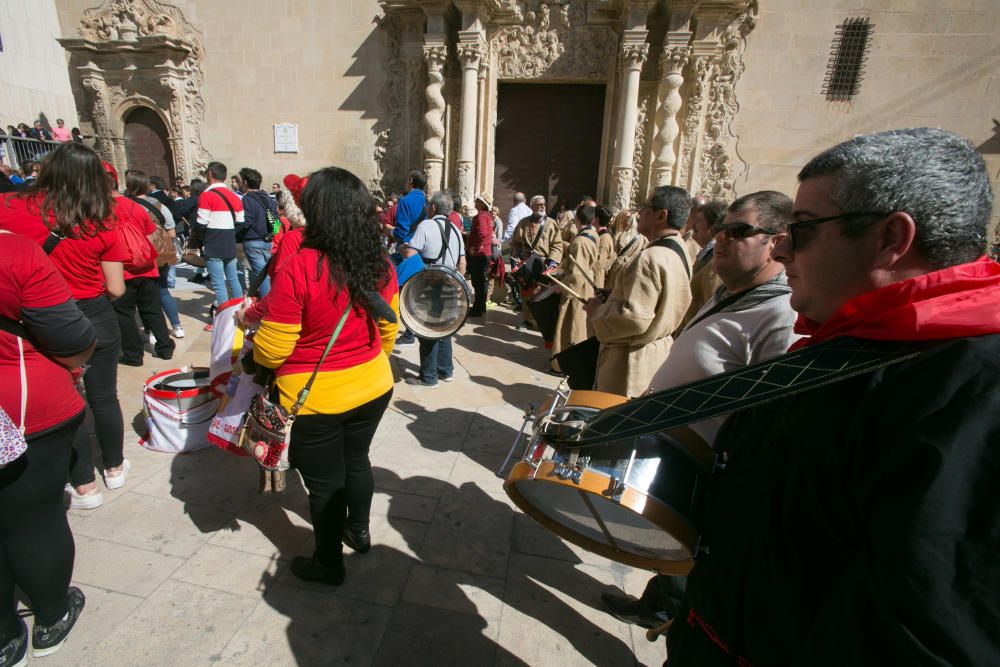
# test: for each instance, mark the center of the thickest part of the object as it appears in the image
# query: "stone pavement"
(188, 565)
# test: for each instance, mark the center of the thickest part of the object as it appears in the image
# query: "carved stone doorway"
(548, 141)
(146, 145)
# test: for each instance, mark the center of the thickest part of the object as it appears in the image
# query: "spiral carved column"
(434, 117)
(673, 62)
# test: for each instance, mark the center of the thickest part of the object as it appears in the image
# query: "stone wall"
(313, 63)
(932, 63)
(33, 76)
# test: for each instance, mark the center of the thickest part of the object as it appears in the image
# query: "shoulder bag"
(267, 427)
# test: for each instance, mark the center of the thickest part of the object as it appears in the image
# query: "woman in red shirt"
(341, 264)
(40, 324)
(69, 212)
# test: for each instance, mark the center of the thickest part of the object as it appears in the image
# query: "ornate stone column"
(436, 54)
(704, 59)
(470, 54)
(173, 82)
(92, 79)
(672, 61)
(623, 173)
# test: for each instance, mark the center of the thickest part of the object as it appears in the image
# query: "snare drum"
(435, 302)
(632, 501)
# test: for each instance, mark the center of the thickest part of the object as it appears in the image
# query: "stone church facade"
(722, 97)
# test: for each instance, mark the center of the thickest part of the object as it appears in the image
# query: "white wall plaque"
(286, 138)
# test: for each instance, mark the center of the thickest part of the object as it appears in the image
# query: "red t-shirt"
(78, 259)
(127, 212)
(29, 280)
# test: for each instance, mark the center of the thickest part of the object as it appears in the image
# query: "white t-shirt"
(515, 216)
(427, 240)
(723, 342)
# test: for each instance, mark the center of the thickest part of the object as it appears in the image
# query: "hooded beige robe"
(605, 256)
(628, 251)
(634, 326)
(572, 327)
(549, 245)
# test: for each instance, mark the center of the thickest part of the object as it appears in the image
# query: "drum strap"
(538, 235)
(807, 368)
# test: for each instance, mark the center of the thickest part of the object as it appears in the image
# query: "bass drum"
(435, 302)
(632, 501)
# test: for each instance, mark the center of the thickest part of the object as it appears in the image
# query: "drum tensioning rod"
(528, 414)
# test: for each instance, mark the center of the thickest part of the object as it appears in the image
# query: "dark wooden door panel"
(146, 146)
(548, 142)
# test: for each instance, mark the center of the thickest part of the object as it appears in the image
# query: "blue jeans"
(167, 299)
(171, 276)
(435, 359)
(258, 252)
(222, 274)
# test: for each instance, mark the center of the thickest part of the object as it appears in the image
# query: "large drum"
(435, 302)
(632, 501)
(178, 406)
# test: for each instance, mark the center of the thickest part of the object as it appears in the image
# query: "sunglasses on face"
(741, 230)
(800, 239)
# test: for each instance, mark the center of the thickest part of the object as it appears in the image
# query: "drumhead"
(435, 302)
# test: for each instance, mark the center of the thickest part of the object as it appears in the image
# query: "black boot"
(358, 539)
(309, 568)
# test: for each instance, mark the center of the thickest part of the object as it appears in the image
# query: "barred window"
(847, 59)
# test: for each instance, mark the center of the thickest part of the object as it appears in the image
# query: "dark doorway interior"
(146, 146)
(548, 142)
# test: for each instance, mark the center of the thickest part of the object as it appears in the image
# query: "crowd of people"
(858, 514)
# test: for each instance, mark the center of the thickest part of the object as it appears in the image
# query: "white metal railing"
(15, 150)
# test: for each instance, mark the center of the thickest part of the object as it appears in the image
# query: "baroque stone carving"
(561, 47)
(716, 165)
(640, 156)
(156, 35)
(388, 148)
(698, 80)
(97, 89)
(623, 177)
(634, 56)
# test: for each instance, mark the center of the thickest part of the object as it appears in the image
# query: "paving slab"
(189, 564)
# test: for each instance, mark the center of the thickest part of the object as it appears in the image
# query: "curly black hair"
(342, 224)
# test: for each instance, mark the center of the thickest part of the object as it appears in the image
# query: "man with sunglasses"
(857, 523)
(748, 319)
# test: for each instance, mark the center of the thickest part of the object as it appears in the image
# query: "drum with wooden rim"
(632, 501)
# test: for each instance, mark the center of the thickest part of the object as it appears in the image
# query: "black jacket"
(256, 228)
(857, 523)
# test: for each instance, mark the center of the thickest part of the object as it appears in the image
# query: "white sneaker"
(114, 482)
(178, 332)
(84, 501)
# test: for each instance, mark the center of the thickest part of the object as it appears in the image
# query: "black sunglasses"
(740, 230)
(795, 229)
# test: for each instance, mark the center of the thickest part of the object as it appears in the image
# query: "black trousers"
(331, 453)
(664, 593)
(101, 383)
(36, 545)
(142, 294)
(478, 267)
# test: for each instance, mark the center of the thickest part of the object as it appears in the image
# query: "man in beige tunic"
(704, 280)
(536, 234)
(571, 327)
(649, 299)
(606, 244)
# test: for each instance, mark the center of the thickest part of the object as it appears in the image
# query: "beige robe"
(626, 254)
(605, 256)
(634, 326)
(549, 245)
(572, 326)
(704, 282)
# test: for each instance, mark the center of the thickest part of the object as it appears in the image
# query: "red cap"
(295, 185)
(111, 172)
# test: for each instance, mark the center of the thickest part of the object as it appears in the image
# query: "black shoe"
(198, 278)
(358, 540)
(525, 325)
(417, 382)
(129, 362)
(516, 308)
(15, 652)
(309, 568)
(405, 340)
(633, 611)
(46, 640)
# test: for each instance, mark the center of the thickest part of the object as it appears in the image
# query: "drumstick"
(568, 289)
(654, 633)
(585, 273)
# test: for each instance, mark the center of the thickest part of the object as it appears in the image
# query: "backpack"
(142, 254)
(166, 253)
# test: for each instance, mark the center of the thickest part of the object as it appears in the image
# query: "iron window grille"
(847, 59)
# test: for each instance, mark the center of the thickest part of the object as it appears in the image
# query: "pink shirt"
(61, 134)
